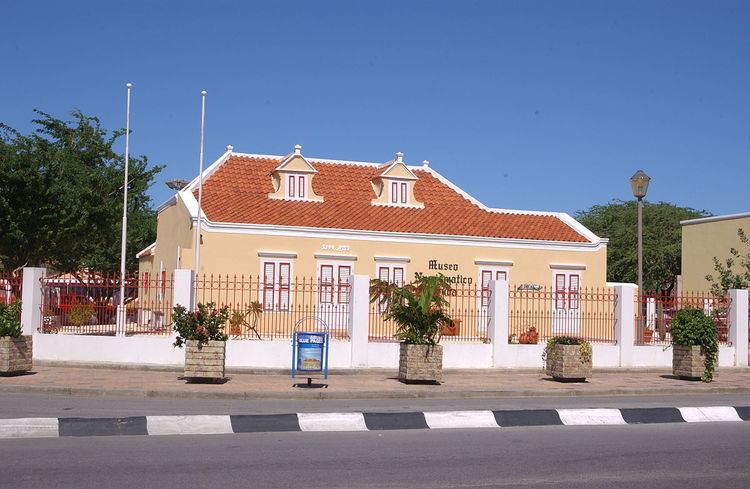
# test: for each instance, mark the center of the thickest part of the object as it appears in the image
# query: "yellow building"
(280, 217)
(706, 238)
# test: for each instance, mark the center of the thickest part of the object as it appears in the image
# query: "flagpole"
(123, 249)
(200, 198)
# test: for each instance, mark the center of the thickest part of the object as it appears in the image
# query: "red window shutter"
(501, 275)
(291, 186)
(573, 293)
(403, 193)
(163, 282)
(343, 285)
(146, 281)
(383, 274)
(560, 291)
(326, 284)
(302, 187)
(398, 276)
(269, 271)
(284, 279)
(394, 193)
(486, 277)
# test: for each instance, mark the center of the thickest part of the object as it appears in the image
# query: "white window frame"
(295, 186)
(496, 273)
(336, 286)
(278, 287)
(398, 193)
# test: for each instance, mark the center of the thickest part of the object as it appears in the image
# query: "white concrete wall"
(278, 354)
(661, 356)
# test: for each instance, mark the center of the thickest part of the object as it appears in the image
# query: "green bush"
(418, 308)
(204, 325)
(692, 327)
(80, 314)
(9, 319)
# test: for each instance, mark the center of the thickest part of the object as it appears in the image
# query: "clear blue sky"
(546, 105)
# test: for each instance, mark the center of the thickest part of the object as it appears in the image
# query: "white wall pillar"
(359, 318)
(498, 327)
(183, 287)
(738, 325)
(31, 299)
(625, 322)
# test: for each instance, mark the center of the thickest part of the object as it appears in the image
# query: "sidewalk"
(367, 384)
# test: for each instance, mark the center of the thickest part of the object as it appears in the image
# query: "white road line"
(29, 428)
(460, 419)
(331, 422)
(709, 413)
(574, 417)
(188, 425)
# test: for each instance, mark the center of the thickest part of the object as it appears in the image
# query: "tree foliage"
(662, 239)
(734, 271)
(61, 190)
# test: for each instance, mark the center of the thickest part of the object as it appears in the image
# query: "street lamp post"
(639, 185)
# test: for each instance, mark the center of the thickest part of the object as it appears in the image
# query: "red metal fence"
(467, 307)
(280, 305)
(10, 286)
(87, 304)
(535, 315)
(654, 312)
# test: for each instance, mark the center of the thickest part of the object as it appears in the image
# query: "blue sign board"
(310, 353)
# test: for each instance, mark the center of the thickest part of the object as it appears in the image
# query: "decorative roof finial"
(230, 148)
(399, 157)
(425, 163)
(297, 149)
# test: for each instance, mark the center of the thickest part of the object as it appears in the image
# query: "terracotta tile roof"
(237, 192)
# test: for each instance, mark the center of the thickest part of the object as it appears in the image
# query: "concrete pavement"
(368, 384)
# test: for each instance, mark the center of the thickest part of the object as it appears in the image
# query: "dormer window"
(399, 193)
(296, 187)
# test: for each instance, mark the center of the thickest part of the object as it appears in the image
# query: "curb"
(324, 394)
(361, 421)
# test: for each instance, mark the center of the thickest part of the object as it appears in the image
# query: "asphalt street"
(45, 405)
(656, 456)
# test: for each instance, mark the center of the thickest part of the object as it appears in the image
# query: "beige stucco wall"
(174, 236)
(224, 253)
(702, 242)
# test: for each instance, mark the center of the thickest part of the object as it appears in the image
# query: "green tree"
(734, 271)
(61, 191)
(662, 239)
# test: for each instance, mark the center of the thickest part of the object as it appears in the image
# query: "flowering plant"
(204, 325)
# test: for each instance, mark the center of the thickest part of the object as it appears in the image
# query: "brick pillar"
(738, 325)
(359, 318)
(498, 327)
(625, 322)
(31, 299)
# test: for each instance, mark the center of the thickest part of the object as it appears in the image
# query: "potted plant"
(202, 333)
(695, 345)
(567, 358)
(15, 347)
(418, 309)
(530, 337)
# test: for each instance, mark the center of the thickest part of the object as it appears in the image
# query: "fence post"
(183, 288)
(359, 318)
(498, 326)
(625, 322)
(738, 325)
(31, 299)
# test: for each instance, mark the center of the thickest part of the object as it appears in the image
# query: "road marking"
(708, 414)
(188, 425)
(331, 422)
(460, 419)
(576, 417)
(29, 428)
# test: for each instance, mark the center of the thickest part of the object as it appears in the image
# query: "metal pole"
(200, 200)
(124, 236)
(640, 245)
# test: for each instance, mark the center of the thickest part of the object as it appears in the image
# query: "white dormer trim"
(397, 161)
(297, 153)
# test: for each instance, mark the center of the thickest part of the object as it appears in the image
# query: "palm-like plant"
(418, 308)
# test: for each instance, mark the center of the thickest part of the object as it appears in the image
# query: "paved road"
(656, 456)
(43, 405)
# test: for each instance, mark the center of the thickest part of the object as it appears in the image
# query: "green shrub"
(584, 348)
(418, 308)
(9, 319)
(204, 325)
(80, 314)
(692, 327)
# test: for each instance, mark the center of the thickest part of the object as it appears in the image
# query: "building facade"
(706, 238)
(280, 217)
